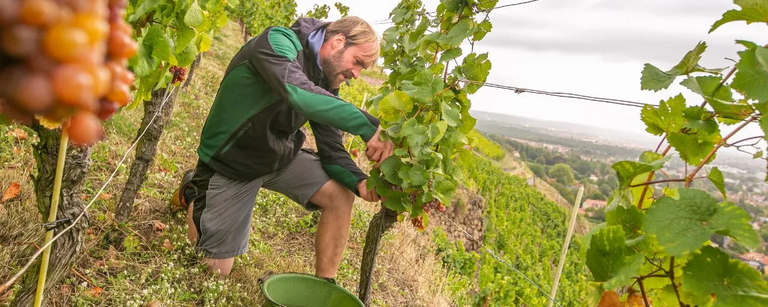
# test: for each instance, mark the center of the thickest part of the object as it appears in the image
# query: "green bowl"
(304, 290)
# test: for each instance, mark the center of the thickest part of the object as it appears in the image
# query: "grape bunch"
(433, 205)
(418, 222)
(427, 207)
(179, 74)
(64, 61)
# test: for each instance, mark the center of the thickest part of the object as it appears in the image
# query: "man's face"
(344, 63)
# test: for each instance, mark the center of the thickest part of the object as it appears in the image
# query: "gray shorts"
(223, 206)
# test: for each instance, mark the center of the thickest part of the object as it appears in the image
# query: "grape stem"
(663, 181)
(672, 279)
(723, 141)
(642, 293)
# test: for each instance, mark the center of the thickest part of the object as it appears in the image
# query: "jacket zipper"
(237, 137)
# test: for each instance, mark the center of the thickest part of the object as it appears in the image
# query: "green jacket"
(271, 88)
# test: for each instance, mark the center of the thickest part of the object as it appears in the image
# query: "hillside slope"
(156, 263)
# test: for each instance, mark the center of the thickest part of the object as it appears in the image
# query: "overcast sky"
(591, 47)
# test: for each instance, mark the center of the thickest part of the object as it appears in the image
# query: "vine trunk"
(380, 224)
(145, 150)
(191, 73)
(66, 249)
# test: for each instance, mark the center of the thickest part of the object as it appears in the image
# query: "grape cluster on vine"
(64, 61)
(179, 74)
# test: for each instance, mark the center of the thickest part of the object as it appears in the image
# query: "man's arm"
(334, 157)
(275, 60)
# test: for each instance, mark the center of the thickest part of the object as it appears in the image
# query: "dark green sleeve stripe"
(284, 42)
(331, 111)
(343, 176)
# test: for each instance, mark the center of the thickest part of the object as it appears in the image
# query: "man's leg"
(219, 216)
(333, 228)
(221, 266)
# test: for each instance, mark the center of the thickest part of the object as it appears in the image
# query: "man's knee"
(335, 195)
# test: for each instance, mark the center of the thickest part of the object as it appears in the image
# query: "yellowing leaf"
(47, 123)
(610, 299)
(12, 191)
(95, 291)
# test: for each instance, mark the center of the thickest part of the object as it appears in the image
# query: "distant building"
(594, 203)
(756, 260)
(591, 203)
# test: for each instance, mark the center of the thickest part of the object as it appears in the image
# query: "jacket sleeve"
(275, 59)
(334, 157)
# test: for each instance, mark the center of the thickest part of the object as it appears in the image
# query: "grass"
(156, 266)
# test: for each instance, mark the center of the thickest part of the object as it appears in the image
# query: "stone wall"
(466, 211)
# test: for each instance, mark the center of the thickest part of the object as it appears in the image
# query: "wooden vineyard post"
(569, 234)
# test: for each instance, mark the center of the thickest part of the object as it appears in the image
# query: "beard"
(332, 68)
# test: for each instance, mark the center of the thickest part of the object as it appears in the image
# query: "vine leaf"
(716, 177)
(475, 68)
(415, 133)
(458, 33)
(721, 100)
(187, 56)
(184, 37)
(607, 257)
(752, 74)
(693, 148)
(450, 54)
(751, 11)
(667, 117)
(665, 297)
(144, 8)
(587, 239)
(451, 115)
(194, 16)
(700, 137)
(711, 272)
(394, 105)
(685, 224)
(626, 171)
(629, 218)
(654, 79)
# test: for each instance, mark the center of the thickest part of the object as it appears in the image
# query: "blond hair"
(357, 32)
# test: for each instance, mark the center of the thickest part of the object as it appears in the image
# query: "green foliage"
(257, 15)
(730, 281)
(671, 227)
(485, 146)
(424, 105)
(169, 33)
(322, 11)
(683, 225)
(562, 173)
(526, 230)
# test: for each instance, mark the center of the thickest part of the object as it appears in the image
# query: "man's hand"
(378, 150)
(368, 195)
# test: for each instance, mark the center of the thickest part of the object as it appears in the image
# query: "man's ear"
(338, 41)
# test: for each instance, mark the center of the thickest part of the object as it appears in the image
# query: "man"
(252, 139)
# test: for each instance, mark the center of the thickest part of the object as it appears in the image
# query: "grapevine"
(655, 242)
(424, 106)
(171, 35)
(424, 110)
